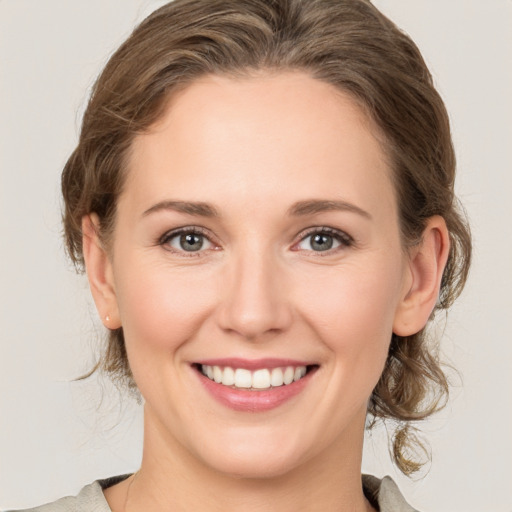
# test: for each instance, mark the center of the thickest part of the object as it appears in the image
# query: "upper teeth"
(258, 379)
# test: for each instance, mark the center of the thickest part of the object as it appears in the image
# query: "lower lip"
(254, 401)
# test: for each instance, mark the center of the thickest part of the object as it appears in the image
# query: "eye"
(323, 240)
(190, 240)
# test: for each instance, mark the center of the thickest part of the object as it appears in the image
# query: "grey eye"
(187, 241)
(191, 242)
(324, 240)
(321, 242)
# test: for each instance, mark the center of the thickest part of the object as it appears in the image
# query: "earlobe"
(99, 272)
(425, 267)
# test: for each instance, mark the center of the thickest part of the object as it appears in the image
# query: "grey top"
(383, 494)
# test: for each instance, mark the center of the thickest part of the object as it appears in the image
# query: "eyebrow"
(301, 208)
(191, 208)
(312, 206)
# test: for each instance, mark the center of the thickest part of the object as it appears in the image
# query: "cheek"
(352, 310)
(161, 308)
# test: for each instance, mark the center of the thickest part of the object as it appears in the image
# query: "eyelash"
(189, 230)
(341, 237)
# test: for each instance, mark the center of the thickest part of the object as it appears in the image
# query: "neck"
(171, 478)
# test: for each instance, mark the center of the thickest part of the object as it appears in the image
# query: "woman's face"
(258, 232)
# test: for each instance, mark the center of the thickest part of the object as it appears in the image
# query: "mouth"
(254, 380)
(254, 386)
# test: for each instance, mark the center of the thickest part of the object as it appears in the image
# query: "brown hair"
(347, 43)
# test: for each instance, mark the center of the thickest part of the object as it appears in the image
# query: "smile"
(254, 385)
(260, 379)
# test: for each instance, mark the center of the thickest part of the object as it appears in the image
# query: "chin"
(253, 458)
(260, 468)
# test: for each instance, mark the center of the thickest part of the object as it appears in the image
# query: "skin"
(253, 149)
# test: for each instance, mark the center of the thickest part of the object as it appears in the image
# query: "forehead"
(251, 135)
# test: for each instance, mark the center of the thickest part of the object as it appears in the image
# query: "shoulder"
(385, 494)
(89, 499)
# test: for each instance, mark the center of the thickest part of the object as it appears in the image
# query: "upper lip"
(253, 364)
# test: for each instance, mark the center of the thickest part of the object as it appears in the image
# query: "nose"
(256, 303)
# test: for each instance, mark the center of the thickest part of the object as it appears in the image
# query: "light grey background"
(56, 435)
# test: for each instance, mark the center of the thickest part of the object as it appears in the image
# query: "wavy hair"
(346, 43)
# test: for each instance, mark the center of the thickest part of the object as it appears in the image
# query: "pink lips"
(246, 400)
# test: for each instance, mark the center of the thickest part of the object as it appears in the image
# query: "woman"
(262, 197)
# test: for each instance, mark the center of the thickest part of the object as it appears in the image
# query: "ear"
(99, 272)
(425, 269)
